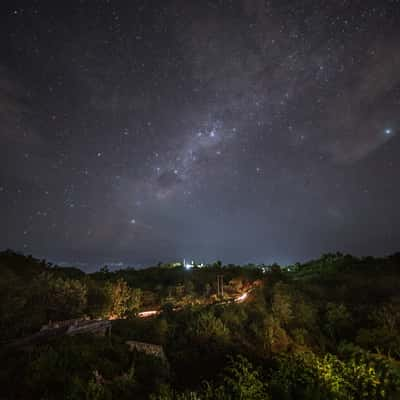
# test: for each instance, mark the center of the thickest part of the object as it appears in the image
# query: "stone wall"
(147, 348)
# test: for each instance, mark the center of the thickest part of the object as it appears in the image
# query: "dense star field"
(247, 131)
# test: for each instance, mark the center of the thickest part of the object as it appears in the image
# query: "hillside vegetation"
(326, 329)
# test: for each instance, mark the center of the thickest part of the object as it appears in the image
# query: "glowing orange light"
(146, 314)
(241, 298)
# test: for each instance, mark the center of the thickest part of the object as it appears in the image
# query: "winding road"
(240, 299)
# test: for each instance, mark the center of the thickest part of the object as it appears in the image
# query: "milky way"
(247, 131)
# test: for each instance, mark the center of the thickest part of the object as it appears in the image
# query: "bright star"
(133, 221)
(388, 131)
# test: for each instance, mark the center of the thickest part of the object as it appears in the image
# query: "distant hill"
(13, 264)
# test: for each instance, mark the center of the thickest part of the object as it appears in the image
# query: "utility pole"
(220, 285)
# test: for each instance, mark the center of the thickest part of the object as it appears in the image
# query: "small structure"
(64, 328)
(96, 327)
(61, 324)
(78, 325)
(147, 348)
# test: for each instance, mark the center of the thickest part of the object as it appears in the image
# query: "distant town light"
(192, 264)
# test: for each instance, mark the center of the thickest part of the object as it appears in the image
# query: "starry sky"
(133, 132)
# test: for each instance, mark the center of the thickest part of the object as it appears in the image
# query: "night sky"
(133, 132)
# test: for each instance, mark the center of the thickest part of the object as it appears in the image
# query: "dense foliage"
(327, 329)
